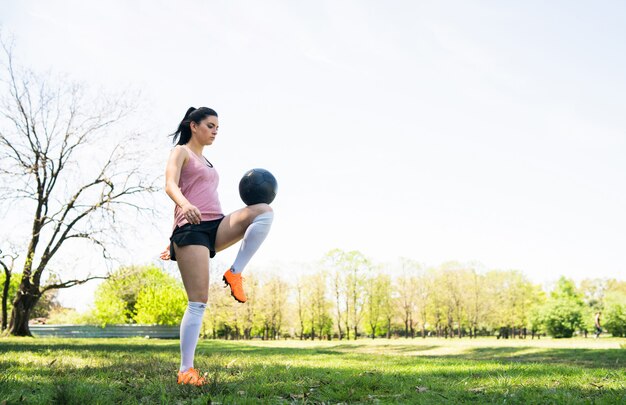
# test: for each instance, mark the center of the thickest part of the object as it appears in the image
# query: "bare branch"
(90, 236)
(70, 283)
(107, 197)
(17, 155)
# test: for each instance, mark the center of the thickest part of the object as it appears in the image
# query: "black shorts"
(203, 234)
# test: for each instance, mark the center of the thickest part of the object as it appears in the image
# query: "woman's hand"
(191, 213)
(165, 255)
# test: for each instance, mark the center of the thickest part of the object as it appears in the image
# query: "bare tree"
(60, 157)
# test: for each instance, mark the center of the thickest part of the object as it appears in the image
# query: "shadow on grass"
(101, 345)
(589, 358)
(383, 348)
(154, 346)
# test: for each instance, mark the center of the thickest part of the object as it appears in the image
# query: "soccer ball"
(258, 186)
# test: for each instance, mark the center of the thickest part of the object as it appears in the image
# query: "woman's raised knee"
(261, 208)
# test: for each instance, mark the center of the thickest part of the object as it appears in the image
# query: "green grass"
(91, 371)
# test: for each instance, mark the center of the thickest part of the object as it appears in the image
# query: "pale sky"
(443, 130)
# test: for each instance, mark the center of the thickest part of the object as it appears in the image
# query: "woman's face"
(206, 131)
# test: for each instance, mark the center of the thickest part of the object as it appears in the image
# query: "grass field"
(91, 371)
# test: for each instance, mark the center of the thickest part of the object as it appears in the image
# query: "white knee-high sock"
(190, 332)
(252, 240)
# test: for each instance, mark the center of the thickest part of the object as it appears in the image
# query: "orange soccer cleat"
(191, 377)
(236, 286)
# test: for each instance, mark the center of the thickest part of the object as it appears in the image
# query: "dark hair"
(183, 133)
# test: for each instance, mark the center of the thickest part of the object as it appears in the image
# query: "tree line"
(347, 296)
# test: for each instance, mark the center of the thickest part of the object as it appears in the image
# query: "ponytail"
(183, 133)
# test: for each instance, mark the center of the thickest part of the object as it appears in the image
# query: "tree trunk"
(339, 327)
(338, 312)
(22, 306)
(347, 323)
(5, 297)
(388, 328)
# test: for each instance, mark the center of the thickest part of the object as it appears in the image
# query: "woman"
(201, 229)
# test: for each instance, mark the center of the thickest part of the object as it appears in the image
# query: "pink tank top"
(198, 183)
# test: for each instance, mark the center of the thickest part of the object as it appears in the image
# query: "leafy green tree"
(561, 320)
(110, 308)
(272, 303)
(249, 314)
(301, 307)
(377, 297)
(143, 294)
(615, 313)
(476, 301)
(348, 273)
(563, 314)
(332, 263)
(453, 278)
(535, 317)
(436, 303)
(423, 285)
(317, 304)
(161, 304)
(388, 309)
(407, 287)
(512, 298)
